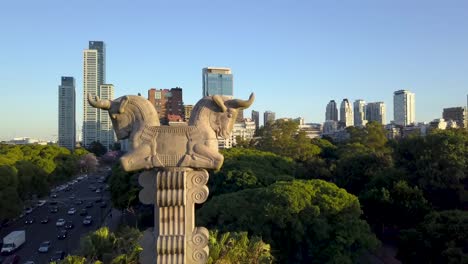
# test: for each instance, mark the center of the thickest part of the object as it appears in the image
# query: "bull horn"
(98, 103)
(243, 104)
(220, 102)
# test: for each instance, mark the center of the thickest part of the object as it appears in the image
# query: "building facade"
(168, 103)
(331, 113)
(376, 112)
(217, 81)
(457, 114)
(268, 116)
(106, 133)
(187, 112)
(256, 118)
(359, 113)
(96, 124)
(346, 114)
(404, 111)
(66, 113)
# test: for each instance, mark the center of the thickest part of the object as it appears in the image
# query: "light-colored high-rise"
(376, 112)
(106, 133)
(217, 81)
(96, 123)
(66, 113)
(346, 114)
(359, 113)
(404, 111)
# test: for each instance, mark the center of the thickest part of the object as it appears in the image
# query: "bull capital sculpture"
(175, 159)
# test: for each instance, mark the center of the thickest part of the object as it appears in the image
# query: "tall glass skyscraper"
(331, 113)
(66, 113)
(217, 81)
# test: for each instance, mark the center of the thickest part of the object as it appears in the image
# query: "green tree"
(441, 238)
(308, 221)
(124, 188)
(97, 148)
(236, 247)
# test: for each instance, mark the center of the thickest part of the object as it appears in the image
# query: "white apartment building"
(404, 111)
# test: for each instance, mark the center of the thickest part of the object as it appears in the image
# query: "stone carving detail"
(175, 159)
(154, 146)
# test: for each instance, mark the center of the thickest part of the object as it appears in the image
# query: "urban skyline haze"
(295, 55)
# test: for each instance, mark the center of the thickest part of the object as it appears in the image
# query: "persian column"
(174, 239)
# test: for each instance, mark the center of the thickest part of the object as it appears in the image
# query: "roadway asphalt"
(38, 232)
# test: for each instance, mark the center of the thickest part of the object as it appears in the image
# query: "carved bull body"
(152, 145)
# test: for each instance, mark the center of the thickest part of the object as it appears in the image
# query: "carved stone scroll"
(175, 239)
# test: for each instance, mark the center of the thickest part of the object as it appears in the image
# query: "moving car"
(89, 205)
(60, 222)
(44, 247)
(28, 210)
(83, 212)
(29, 221)
(88, 220)
(69, 225)
(103, 205)
(58, 255)
(77, 202)
(71, 211)
(45, 220)
(53, 209)
(62, 234)
(13, 259)
(41, 202)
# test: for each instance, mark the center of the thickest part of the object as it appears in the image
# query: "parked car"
(58, 255)
(60, 222)
(69, 225)
(44, 247)
(45, 220)
(88, 220)
(62, 234)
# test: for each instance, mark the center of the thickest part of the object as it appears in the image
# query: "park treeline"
(28, 171)
(319, 201)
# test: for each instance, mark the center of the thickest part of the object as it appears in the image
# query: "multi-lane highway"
(96, 204)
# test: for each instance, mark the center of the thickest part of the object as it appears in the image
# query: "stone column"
(174, 238)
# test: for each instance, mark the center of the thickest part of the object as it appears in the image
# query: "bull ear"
(123, 104)
(220, 102)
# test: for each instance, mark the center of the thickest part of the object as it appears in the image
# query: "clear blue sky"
(295, 55)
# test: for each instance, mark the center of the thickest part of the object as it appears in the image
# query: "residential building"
(346, 114)
(168, 103)
(404, 111)
(268, 116)
(330, 126)
(66, 113)
(457, 114)
(256, 118)
(217, 81)
(106, 132)
(376, 112)
(360, 112)
(331, 112)
(245, 130)
(94, 78)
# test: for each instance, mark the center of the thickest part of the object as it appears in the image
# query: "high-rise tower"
(346, 114)
(217, 81)
(404, 107)
(376, 112)
(359, 112)
(96, 124)
(331, 112)
(66, 113)
(256, 118)
(268, 116)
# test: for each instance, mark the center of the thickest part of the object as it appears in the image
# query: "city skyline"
(321, 51)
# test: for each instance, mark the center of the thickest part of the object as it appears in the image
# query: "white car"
(71, 211)
(41, 202)
(60, 222)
